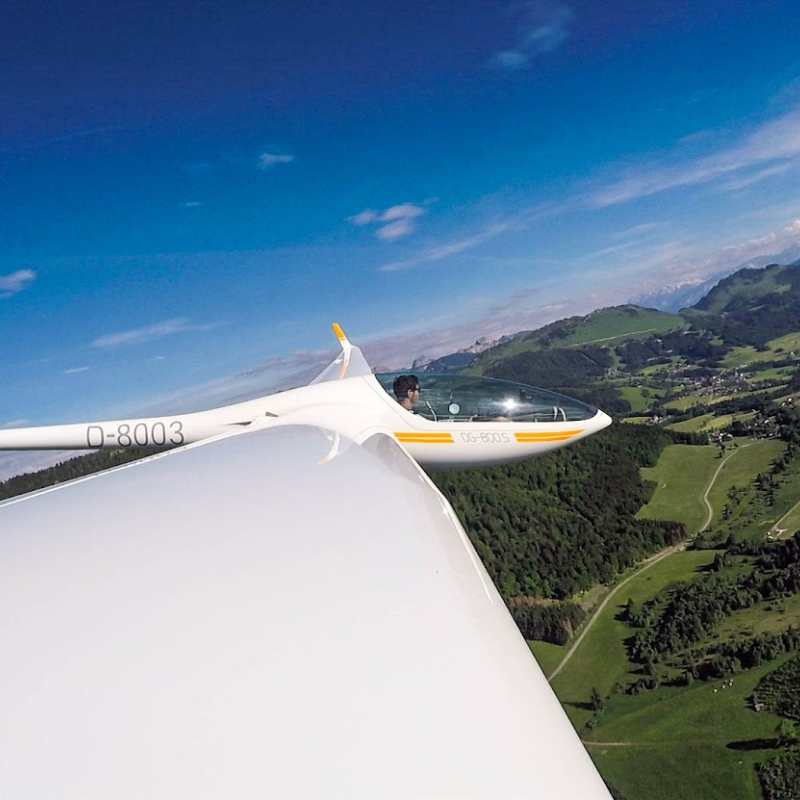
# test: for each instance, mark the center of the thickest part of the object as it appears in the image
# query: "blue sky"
(192, 192)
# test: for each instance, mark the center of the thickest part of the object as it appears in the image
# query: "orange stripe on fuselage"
(424, 438)
(550, 436)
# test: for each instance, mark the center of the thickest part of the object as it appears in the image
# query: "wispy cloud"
(191, 204)
(770, 148)
(543, 27)
(755, 177)
(392, 223)
(635, 231)
(443, 251)
(15, 282)
(14, 423)
(771, 241)
(268, 160)
(148, 333)
(295, 361)
(75, 370)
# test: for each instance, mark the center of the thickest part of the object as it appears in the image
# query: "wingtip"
(339, 332)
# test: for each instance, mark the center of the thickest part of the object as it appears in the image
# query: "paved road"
(645, 565)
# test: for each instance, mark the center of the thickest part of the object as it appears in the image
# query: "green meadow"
(746, 461)
(701, 741)
(710, 423)
(680, 734)
(782, 347)
(601, 661)
(619, 322)
(681, 476)
(640, 398)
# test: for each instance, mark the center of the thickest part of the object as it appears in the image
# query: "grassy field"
(739, 471)
(548, 655)
(684, 403)
(771, 374)
(785, 513)
(777, 348)
(701, 743)
(680, 734)
(617, 323)
(681, 476)
(772, 617)
(692, 425)
(709, 423)
(633, 394)
(606, 325)
(789, 521)
(601, 661)
(683, 736)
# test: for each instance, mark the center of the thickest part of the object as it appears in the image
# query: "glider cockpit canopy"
(469, 398)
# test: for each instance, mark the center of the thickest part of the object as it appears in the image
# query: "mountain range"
(757, 302)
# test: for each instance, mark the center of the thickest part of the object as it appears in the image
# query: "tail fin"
(350, 363)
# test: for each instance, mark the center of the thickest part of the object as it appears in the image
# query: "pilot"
(406, 390)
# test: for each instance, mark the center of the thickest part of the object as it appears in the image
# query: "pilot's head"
(406, 390)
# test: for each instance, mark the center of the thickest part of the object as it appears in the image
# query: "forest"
(673, 622)
(558, 525)
(68, 470)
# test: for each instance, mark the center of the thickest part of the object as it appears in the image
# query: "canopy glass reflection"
(468, 398)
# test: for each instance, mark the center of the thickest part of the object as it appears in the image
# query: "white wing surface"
(236, 620)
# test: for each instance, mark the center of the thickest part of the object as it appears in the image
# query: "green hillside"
(736, 343)
(749, 288)
(606, 325)
(752, 306)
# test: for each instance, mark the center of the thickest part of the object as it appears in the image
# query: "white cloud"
(267, 160)
(747, 180)
(767, 150)
(75, 370)
(403, 211)
(393, 222)
(14, 423)
(366, 217)
(395, 230)
(295, 361)
(770, 148)
(543, 28)
(453, 248)
(148, 333)
(191, 204)
(635, 231)
(15, 282)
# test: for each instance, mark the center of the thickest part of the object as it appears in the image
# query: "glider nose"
(601, 420)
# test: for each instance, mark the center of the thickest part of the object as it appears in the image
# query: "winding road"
(646, 564)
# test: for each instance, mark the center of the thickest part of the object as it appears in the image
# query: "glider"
(283, 606)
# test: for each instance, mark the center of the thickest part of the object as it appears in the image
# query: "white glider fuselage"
(354, 407)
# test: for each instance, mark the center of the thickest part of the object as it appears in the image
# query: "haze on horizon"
(191, 195)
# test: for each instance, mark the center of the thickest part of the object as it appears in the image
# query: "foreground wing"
(232, 620)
